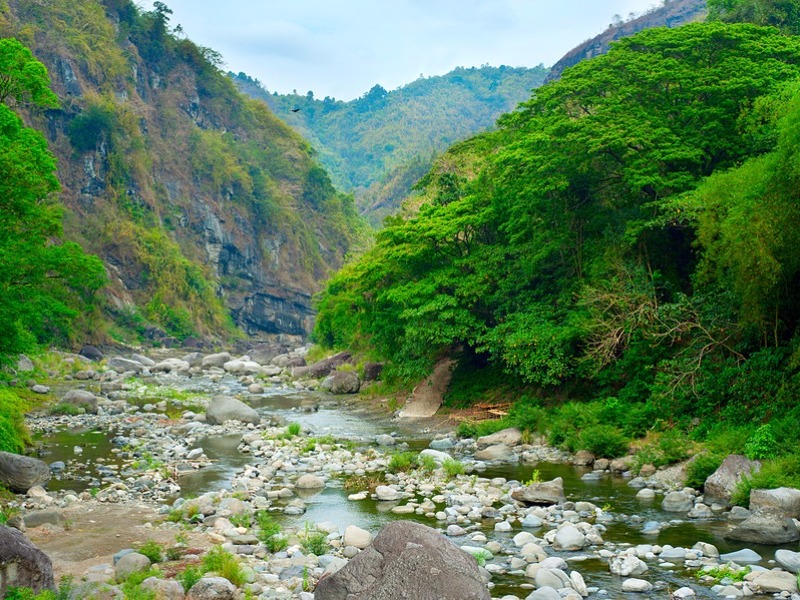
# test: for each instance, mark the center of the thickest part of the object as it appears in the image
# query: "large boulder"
(677, 502)
(322, 368)
(342, 382)
(568, 538)
(542, 493)
(720, 484)
(22, 564)
(170, 365)
(773, 582)
(123, 365)
(498, 452)
(768, 526)
(24, 364)
(510, 437)
(82, 399)
(212, 588)
(785, 500)
(130, 563)
(20, 473)
(225, 408)
(241, 366)
(215, 360)
(406, 560)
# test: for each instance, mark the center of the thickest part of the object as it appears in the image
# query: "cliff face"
(201, 203)
(672, 13)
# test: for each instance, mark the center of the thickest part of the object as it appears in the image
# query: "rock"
(22, 564)
(578, 583)
(455, 531)
(164, 589)
(242, 367)
(91, 352)
(441, 444)
(322, 368)
(357, 537)
(82, 399)
(745, 556)
(626, 564)
(785, 500)
(554, 578)
(545, 593)
(721, 483)
(788, 560)
(739, 513)
(707, 549)
(384, 493)
(20, 473)
(372, 371)
(700, 511)
(225, 408)
(310, 482)
(342, 382)
(144, 360)
(645, 494)
(212, 588)
(123, 365)
(215, 360)
(510, 437)
(768, 527)
(583, 458)
(38, 518)
(171, 365)
(385, 440)
(532, 522)
(24, 364)
(771, 582)
(568, 538)
(438, 456)
(636, 585)
(543, 493)
(647, 470)
(131, 563)
(682, 593)
(498, 452)
(522, 538)
(40, 389)
(677, 502)
(407, 560)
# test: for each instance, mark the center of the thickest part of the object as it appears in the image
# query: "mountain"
(373, 145)
(671, 13)
(206, 209)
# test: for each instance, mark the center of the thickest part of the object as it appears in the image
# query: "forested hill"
(671, 13)
(201, 203)
(379, 144)
(628, 239)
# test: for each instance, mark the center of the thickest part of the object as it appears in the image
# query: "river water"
(331, 505)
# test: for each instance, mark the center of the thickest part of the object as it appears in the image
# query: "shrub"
(426, 462)
(699, 469)
(453, 467)
(66, 409)
(527, 415)
(267, 526)
(603, 440)
(224, 564)
(189, 577)
(673, 447)
(152, 550)
(13, 433)
(781, 472)
(761, 444)
(276, 543)
(401, 461)
(315, 542)
(293, 430)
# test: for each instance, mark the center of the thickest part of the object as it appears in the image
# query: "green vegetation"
(64, 592)
(165, 168)
(152, 550)
(314, 542)
(45, 284)
(224, 564)
(730, 572)
(269, 532)
(14, 436)
(189, 576)
(452, 467)
(619, 257)
(381, 144)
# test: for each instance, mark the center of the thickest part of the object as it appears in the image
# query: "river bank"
(151, 466)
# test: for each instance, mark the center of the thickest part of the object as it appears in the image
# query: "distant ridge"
(672, 13)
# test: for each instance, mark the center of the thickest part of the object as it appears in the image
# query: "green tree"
(23, 79)
(783, 14)
(44, 284)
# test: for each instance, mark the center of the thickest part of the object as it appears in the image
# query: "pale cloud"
(341, 48)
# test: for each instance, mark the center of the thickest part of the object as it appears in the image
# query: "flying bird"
(295, 109)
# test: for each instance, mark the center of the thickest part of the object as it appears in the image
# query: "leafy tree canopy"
(23, 79)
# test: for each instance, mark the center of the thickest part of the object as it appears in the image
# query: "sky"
(342, 48)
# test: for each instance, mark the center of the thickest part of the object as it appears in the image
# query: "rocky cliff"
(671, 13)
(202, 204)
